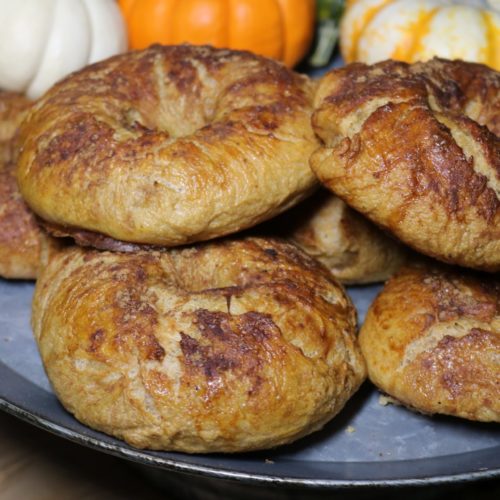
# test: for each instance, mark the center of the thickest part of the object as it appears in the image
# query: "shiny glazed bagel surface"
(168, 145)
(416, 149)
(227, 346)
(431, 340)
(19, 233)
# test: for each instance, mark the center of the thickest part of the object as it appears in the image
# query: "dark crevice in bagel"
(92, 239)
(133, 120)
(465, 88)
(471, 138)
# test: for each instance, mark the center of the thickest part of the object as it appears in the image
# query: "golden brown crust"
(19, 233)
(227, 346)
(402, 146)
(169, 145)
(431, 340)
(353, 249)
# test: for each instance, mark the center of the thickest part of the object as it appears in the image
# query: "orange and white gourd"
(413, 30)
(42, 41)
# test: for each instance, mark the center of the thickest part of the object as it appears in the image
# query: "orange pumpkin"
(282, 29)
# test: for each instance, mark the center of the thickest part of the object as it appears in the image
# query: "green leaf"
(329, 9)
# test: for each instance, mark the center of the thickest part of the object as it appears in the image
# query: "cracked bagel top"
(168, 145)
(431, 339)
(228, 346)
(416, 149)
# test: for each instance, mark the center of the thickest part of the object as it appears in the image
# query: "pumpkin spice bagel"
(227, 346)
(416, 149)
(431, 340)
(169, 145)
(19, 233)
(352, 248)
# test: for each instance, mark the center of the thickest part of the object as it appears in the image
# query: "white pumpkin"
(42, 41)
(411, 30)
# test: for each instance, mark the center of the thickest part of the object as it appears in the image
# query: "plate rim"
(144, 457)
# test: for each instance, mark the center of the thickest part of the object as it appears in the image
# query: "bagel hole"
(135, 121)
(194, 271)
(132, 117)
(170, 118)
(186, 98)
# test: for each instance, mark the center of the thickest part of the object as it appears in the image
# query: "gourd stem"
(328, 33)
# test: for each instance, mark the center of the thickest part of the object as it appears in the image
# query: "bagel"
(415, 148)
(19, 233)
(167, 146)
(227, 346)
(431, 340)
(349, 245)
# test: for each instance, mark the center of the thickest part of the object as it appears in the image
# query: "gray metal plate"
(366, 445)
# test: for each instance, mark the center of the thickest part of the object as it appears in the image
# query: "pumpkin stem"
(327, 32)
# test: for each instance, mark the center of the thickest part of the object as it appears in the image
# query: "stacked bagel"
(19, 234)
(416, 149)
(169, 328)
